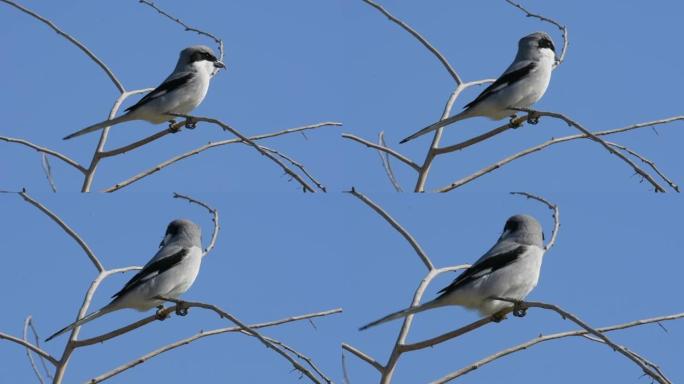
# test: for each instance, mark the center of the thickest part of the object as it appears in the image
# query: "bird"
(168, 274)
(522, 84)
(180, 93)
(510, 269)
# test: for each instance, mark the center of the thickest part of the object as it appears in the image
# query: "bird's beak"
(219, 64)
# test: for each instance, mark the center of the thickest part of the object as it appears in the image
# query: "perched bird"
(522, 84)
(180, 93)
(168, 274)
(510, 269)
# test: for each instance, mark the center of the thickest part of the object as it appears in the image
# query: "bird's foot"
(514, 124)
(519, 310)
(533, 118)
(181, 309)
(172, 126)
(190, 123)
(161, 316)
(499, 316)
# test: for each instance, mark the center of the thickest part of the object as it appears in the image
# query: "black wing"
(484, 268)
(164, 88)
(153, 269)
(503, 81)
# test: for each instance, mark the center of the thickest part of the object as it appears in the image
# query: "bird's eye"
(511, 226)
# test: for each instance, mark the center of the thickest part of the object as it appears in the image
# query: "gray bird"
(510, 269)
(180, 93)
(522, 84)
(169, 274)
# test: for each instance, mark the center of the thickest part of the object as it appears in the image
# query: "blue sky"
(283, 253)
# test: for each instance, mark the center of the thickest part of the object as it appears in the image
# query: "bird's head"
(535, 45)
(201, 57)
(182, 230)
(523, 229)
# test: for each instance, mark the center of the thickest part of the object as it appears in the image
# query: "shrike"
(168, 274)
(522, 84)
(180, 93)
(510, 269)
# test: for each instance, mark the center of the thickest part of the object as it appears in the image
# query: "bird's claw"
(159, 314)
(514, 124)
(499, 316)
(533, 118)
(172, 126)
(190, 123)
(181, 309)
(519, 310)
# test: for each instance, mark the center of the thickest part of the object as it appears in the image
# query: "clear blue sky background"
(281, 253)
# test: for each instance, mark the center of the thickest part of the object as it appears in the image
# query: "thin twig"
(420, 38)
(48, 151)
(69, 231)
(30, 346)
(374, 363)
(562, 28)
(214, 218)
(296, 164)
(556, 216)
(384, 158)
(187, 27)
(47, 168)
(647, 161)
(403, 232)
(27, 324)
(73, 40)
(385, 149)
(299, 355)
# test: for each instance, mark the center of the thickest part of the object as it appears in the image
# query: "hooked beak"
(219, 64)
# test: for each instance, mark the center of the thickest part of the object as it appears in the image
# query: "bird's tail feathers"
(434, 127)
(82, 321)
(403, 313)
(100, 125)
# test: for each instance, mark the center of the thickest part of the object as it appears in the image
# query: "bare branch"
(567, 315)
(27, 324)
(305, 186)
(420, 38)
(30, 346)
(647, 161)
(554, 336)
(474, 140)
(374, 363)
(187, 27)
(89, 252)
(446, 336)
(562, 28)
(47, 168)
(541, 146)
(249, 331)
(203, 148)
(555, 215)
(97, 155)
(48, 151)
(214, 219)
(296, 164)
(404, 233)
(299, 355)
(384, 158)
(592, 136)
(385, 149)
(77, 43)
(129, 147)
(187, 340)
